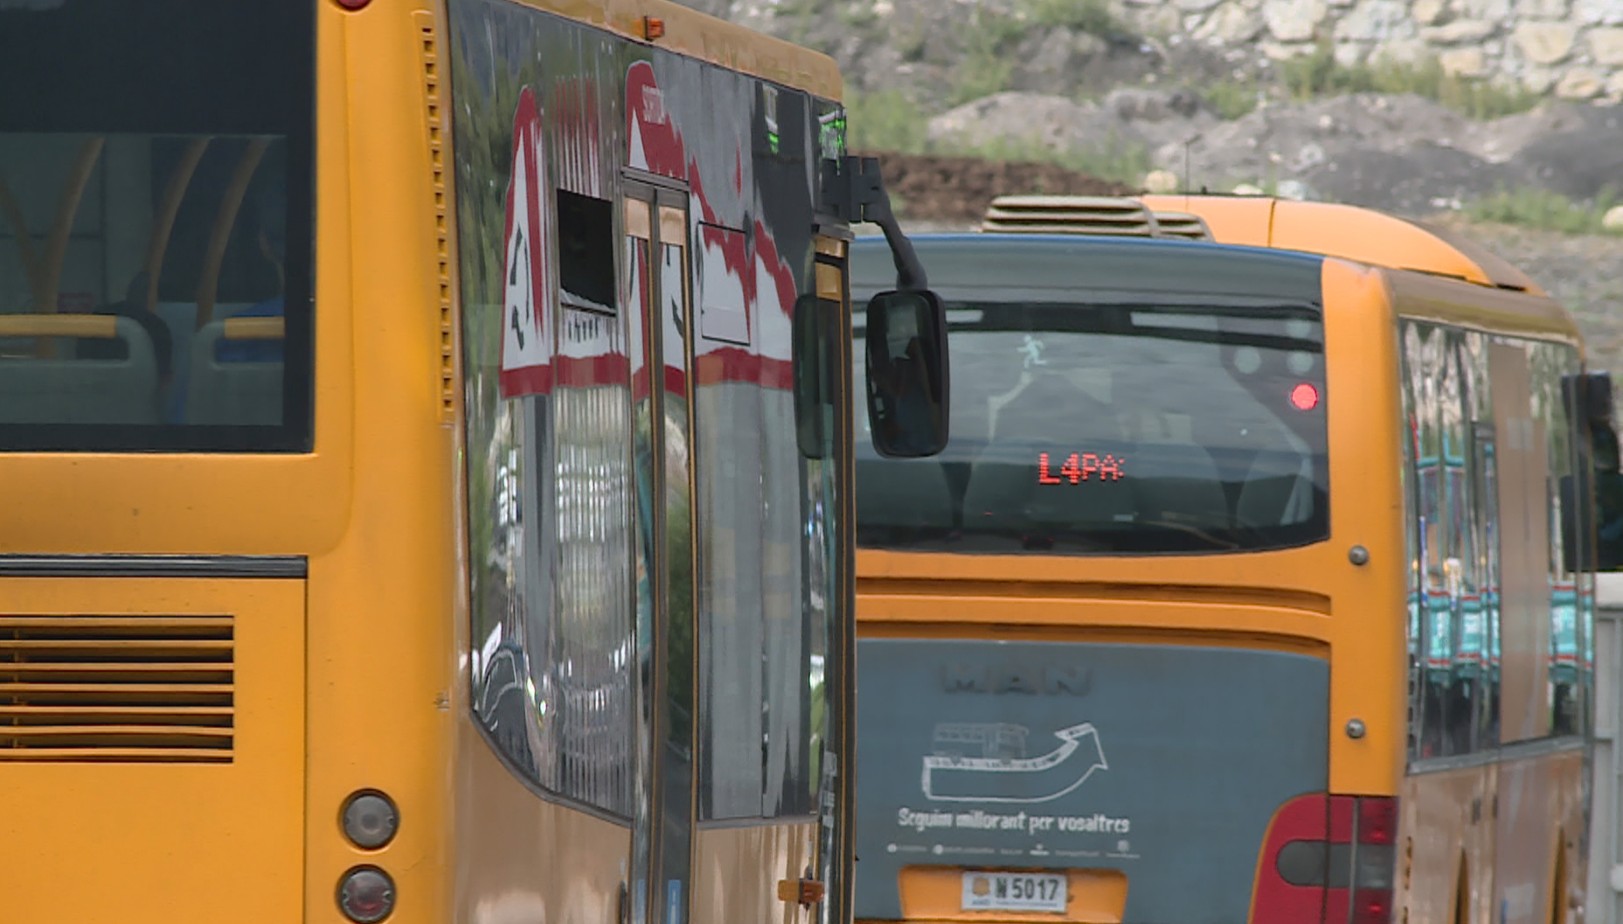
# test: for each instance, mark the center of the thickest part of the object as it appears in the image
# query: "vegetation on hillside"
(1546, 210)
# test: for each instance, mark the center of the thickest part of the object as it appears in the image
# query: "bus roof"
(697, 35)
(1360, 234)
(988, 261)
(1012, 263)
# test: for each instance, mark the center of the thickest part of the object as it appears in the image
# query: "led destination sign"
(1080, 467)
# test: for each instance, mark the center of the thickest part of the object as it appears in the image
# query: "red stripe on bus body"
(721, 367)
(736, 365)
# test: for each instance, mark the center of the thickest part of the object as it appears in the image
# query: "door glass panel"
(636, 302)
(1550, 362)
(1414, 587)
(1436, 630)
(1487, 525)
(1464, 603)
(676, 778)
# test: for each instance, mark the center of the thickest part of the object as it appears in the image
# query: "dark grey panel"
(990, 263)
(1164, 762)
(170, 566)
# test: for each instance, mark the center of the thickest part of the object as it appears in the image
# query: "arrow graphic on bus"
(1024, 780)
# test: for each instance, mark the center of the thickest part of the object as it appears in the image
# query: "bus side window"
(1436, 613)
(1482, 535)
(1462, 571)
(816, 362)
(1550, 408)
(1485, 479)
(1413, 540)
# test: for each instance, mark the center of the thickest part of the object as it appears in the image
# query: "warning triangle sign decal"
(527, 315)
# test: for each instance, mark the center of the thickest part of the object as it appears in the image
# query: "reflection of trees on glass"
(1550, 362)
(587, 687)
(483, 133)
(679, 551)
(483, 136)
(1455, 620)
(548, 475)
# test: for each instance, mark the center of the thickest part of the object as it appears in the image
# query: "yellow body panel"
(778, 850)
(935, 893)
(233, 504)
(1445, 871)
(138, 826)
(1346, 231)
(519, 856)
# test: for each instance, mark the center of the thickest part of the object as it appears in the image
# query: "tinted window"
(155, 228)
(1115, 427)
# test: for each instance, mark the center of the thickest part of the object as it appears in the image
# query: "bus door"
(655, 215)
(1526, 789)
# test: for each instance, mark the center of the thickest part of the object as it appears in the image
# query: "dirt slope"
(931, 189)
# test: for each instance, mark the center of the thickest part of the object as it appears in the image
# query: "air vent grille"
(1113, 216)
(433, 98)
(117, 688)
(1069, 215)
(1182, 224)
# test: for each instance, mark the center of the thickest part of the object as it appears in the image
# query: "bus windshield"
(1111, 427)
(154, 293)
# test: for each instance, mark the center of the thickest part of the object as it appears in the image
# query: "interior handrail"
(163, 223)
(208, 287)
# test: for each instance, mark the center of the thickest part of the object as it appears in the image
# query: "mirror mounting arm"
(854, 190)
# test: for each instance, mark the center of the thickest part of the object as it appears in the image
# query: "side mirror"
(1598, 488)
(1608, 521)
(907, 373)
(1588, 395)
(1603, 459)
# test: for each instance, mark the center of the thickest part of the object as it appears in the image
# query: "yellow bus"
(424, 448)
(1251, 586)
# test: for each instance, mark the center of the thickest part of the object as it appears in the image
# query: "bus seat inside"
(232, 392)
(36, 389)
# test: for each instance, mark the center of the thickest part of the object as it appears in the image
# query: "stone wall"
(1569, 48)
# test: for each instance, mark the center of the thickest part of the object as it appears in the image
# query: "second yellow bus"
(1254, 584)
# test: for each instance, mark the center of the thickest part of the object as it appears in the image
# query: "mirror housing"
(908, 377)
(906, 356)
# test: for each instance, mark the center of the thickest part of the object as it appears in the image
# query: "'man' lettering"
(958, 677)
(1010, 678)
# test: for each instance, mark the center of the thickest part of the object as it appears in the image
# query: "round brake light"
(370, 819)
(366, 895)
(1305, 397)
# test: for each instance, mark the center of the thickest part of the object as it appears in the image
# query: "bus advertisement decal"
(957, 778)
(1063, 757)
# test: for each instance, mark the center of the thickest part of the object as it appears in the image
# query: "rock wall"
(1572, 49)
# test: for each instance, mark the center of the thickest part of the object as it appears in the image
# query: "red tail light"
(1377, 821)
(1372, 906)
(1328, 859)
